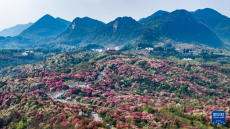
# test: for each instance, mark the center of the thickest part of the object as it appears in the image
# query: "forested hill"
(127, 90)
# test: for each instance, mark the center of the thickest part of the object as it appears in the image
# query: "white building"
(117, 48)
(25, 54)
(195, 52)
(189, 59)
(97, 50)
(149, 48)
(30, 52)
(114, 48)
(222, 54)
(179, 50)
(38, 53)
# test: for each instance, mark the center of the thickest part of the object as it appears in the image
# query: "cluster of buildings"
(194, 52)
(107, 48)
(149, 48)
(221, 54)
(28, 53)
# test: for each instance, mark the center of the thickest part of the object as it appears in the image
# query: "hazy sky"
(14, 12)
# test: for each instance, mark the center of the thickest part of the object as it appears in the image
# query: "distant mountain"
(46, 26)
(148, 36)
(120, 30)
(15, 30)
(158, 13)
(67, 23)
(2, 38)
(87, 30)
(79, 30)
(216, 21)
(182, 26)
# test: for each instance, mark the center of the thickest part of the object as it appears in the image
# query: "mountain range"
(205, 26)
(79, 29)
(122, 29)
(158, 13)
(15, 30)
(181, 26)
(219, 23)
(46, 26)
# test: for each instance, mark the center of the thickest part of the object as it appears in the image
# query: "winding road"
(57, 97)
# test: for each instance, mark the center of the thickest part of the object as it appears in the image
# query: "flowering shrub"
(126, 91)
(43, 111)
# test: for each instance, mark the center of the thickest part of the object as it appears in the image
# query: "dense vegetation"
(14, 57)
(127, 91)
(20, 111)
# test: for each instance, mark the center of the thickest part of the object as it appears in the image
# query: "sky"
(13, 12)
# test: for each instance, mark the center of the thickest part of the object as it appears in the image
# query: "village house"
(188, 59)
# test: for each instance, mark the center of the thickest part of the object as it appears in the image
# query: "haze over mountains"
(46, 26)
(15, 30)
(204, 26)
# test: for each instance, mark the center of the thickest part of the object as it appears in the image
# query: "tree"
(213, 86)
(201, 117)
(20, 125)
(149, 109)
(102, 114)
(159, 49)
(184, 88)
(167, 45)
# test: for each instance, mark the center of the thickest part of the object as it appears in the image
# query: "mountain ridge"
(182, 26)
(158, 13)
(46, 26)
(219, 23)
(15, 30)
(119, 30)
(79, 29)
(179, 25)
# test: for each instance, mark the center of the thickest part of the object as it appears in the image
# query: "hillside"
(216, 21)
(119, 31)
(20, 111)
(158, 13)
(148, 37)
(45, 27)
(129, 91)
(79, 30)
(67, 23)
(86, 30)
(206, 27)
(15, 30)
(181, 26)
